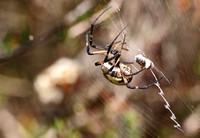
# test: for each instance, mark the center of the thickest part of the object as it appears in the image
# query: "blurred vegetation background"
(50, 87)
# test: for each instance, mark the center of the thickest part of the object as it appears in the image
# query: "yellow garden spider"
(113, 69)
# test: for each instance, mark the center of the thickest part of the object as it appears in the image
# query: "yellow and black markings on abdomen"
(115, 75)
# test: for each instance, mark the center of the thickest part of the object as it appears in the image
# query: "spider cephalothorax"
(112, 68)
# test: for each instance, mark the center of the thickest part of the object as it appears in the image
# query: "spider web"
(160, 92)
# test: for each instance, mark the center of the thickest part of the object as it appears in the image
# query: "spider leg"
(136, 87)
(91, 36)
(117, 62)
(100, 47)
(88, 47)
(143, 87)
(102, 61)
(113, 57)
(106, 47)
(135, 73)
(111, 44)
(103, 52)
(92, 28)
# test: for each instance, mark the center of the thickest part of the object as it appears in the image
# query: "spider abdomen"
(115, 75)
